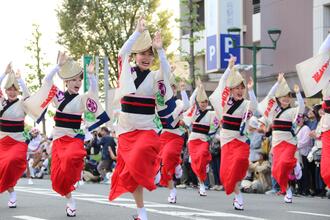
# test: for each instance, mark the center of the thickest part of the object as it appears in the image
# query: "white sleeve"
(272, 91)
(225, 75)
(185, 100)
(192, 99)
(49, 77)
(301, 104)
(303, 137)
(127, 47)
(92, 83)
(164, 64)
(300, 108)
(25, 90)
(216, 97)
(2, 76)
(253, 101)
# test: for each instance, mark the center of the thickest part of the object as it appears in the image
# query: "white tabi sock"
(173, 193)
(289, 193)
(12, 196)
(239, 198)
(142, 213)
(71, 203)
(157, 178)
(202, 187)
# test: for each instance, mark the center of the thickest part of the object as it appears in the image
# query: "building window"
(256, 6)
(200, 12)
(199, 6)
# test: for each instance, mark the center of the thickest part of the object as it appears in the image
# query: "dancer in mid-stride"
(325, 123)
(13, 149)
(68, 138)
(140, 92)
(172, 139)
(203, 122)
(234, 112)
(278, 111)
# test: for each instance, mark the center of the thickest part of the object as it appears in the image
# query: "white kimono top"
(13, 113)
(141, 93)
(283, 120)
(234, 115)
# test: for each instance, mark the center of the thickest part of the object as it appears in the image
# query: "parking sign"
(227, 47)
(211, 52)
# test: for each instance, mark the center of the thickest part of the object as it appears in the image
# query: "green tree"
(190, 24)
(37, 64)
(100, 27)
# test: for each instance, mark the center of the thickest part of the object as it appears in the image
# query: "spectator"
(215, 163)
(261, 171)
(315, 154)
(108, 146)
(40, 166)
(305, 144)
(313, 117)
(33, 149)
(255, 138)
(188, 176)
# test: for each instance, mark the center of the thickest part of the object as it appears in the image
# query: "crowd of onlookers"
(306, 180)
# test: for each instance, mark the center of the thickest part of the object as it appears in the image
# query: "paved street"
(38, 202)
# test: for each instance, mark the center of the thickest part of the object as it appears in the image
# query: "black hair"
(105, 129)
(316, 109)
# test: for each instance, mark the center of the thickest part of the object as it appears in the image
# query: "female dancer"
(13, 149)
(203, 122)
(140, 91)
(172, 140)
(68, 147)
(325, 122)
(277, 110)
(234, 111)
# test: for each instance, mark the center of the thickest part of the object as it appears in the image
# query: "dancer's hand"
(280, 77)
(8, 68)
(232, 61)
(296, 88)
(18, 74)
(62, 58)
(198, 82)
(91, 67)
(141, 26)
(157, 43)
(182, 85)
(250, 84)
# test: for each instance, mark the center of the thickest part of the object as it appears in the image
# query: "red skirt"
(170, 153)
(325, 158)
(234, 164)
(200, 157)
(138, 162)
(12, 162)
(283, 163)
(67, 163)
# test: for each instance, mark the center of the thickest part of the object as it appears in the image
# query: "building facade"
(304, 25)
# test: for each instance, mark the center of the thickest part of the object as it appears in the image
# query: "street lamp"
(274, 35)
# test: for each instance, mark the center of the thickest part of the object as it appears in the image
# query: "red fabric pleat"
(67, 163)
(170, 153)
(234, 164)
(12, 162)
(138, 162)
(325, 158)
(283, 163)
(200, 157)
